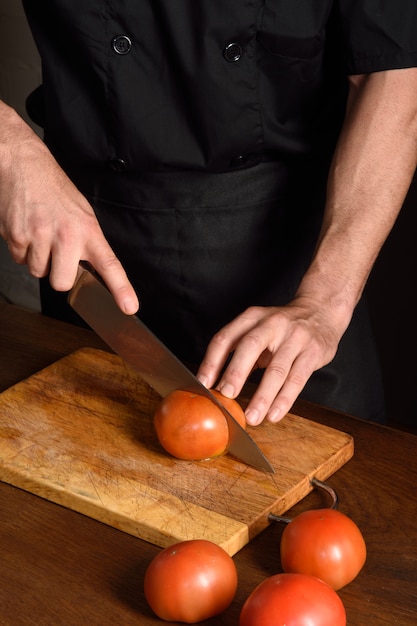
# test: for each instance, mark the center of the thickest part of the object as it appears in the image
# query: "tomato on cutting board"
(293, 600)
(190, 581)
(324, 543)
(192, 427)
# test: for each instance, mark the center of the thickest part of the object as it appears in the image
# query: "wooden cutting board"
(80, 433)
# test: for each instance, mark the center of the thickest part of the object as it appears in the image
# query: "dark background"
(391, 291)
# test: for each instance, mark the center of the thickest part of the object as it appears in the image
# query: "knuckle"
(17, 250)
(40, 229)
(297, 379)
(15, 241)
(253, 342)
(253, 311)
(263, 403)
(108, 264)
(277, 370)
(207, 365)
(235, 375)
(220, 339)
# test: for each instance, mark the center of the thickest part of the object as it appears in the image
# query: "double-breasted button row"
(122, 44)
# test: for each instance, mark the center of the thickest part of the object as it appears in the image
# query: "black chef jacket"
(202, 131)
(212, 84)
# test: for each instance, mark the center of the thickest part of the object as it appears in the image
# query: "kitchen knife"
(128, 336)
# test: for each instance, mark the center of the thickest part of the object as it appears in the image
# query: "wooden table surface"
(60, 567)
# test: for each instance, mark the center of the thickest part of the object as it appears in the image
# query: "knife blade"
(132, 340)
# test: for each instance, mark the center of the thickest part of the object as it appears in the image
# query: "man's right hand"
(47, 223)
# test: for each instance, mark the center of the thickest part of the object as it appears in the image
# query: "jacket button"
(232, 52)
(246, 160)
(122, 44)
(117, 165)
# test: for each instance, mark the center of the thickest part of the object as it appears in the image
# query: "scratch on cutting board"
(93, 483)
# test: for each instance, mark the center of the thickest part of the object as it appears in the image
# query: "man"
(245, 162)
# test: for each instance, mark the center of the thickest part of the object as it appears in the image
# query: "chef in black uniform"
(245, 160)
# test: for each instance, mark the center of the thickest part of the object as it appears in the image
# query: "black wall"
(391, 290)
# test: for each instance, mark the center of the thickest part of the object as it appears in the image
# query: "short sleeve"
(379, 34)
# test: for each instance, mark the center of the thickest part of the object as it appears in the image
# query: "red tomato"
(293, 600)
(190, 581)
(231, 405)
(192, 427)
(324, 543)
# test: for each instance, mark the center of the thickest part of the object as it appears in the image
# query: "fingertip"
(275, 415)
(253, 417)
(227, 390)
(60, 284)
(130, 305)
(203, 379)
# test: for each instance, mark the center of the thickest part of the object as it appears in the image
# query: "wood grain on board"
(80, 433)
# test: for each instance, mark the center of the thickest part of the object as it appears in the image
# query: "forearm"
(13, 128)
(8, 119)
(19, 146)
(371, 172)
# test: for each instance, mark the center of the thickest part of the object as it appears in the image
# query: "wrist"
(337, 298)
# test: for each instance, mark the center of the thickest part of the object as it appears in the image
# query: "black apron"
(200, 248)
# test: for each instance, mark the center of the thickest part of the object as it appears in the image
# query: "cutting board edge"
(304, 487)
(236, 537)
